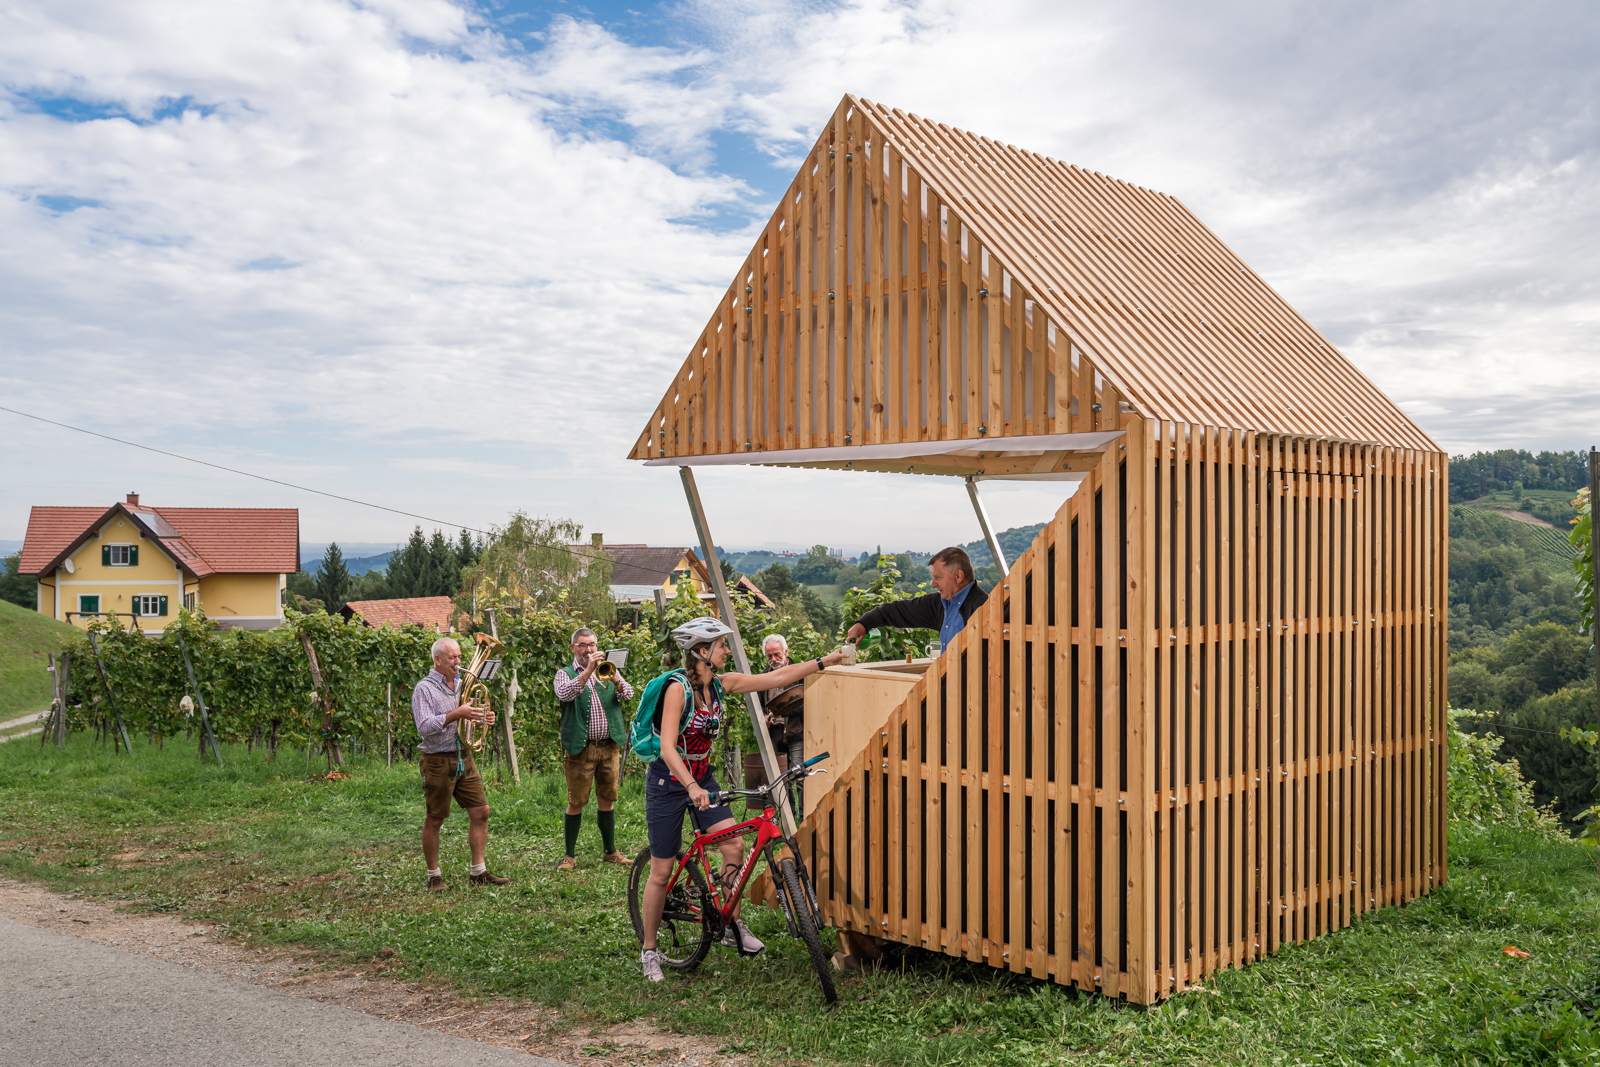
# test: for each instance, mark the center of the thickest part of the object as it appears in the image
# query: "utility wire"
(1508, 726)
(575, 549)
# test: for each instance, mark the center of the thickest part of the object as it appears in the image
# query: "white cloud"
(322, 237)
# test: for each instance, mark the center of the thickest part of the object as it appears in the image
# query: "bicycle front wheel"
(797, 888)
(683, 936)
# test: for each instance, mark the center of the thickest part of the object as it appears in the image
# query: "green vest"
(575, 714)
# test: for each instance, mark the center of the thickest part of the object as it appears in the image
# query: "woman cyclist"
(691, 716)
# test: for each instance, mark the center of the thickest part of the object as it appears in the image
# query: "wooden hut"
(1204, 714)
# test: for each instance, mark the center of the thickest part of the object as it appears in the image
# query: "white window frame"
(189, 599)
(149, 603)
(127, 555)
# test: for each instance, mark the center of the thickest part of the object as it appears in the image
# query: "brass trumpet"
(606, 671)
(475, 690)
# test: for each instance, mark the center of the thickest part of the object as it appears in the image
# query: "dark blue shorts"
(665, 801)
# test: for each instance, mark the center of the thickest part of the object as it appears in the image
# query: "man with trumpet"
(439, 706)
(591, 692)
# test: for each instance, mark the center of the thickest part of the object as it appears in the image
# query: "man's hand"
(857, 632)
(588, 668)
(700, 798)
(472, 713)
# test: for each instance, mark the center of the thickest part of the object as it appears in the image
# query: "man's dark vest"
(575, 714)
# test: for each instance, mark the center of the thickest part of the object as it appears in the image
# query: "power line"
(578, 550)
(1508, 726)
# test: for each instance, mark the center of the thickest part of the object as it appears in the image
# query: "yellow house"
(141, 563)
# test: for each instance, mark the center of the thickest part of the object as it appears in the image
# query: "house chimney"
(598, 540)
(133, 498)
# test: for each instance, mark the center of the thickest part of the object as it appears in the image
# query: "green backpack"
(644, 737)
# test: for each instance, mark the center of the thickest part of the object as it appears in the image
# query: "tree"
(532, 563)
(817, 567)
(333, 579)
(729, 575)
(18, 588)
(776, 581)
(425, 567)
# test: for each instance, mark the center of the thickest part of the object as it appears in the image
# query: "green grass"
(25, 638)
(278, 858)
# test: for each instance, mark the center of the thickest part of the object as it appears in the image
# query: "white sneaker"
(738, 936)
(651, 958)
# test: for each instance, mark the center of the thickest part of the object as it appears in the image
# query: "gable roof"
(1128, 304)
(645, 565)
(432, 612)
(203, 541)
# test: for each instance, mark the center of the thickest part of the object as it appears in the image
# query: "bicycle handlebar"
(720, 798)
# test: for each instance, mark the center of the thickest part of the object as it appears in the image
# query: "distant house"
(431, 612)
(637, 571)
(140, 563)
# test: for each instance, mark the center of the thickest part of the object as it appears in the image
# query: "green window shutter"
(133, 555)
(105, 555)
(163, 605)
(135, 599)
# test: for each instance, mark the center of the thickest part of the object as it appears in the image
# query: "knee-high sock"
(573, 823)
(608, 829)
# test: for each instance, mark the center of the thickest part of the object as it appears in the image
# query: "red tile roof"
(203, 540)
(51, 531)
(432, 612)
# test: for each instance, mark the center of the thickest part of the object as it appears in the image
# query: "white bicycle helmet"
(701, 631)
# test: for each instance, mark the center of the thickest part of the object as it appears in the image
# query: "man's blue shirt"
(953, 622)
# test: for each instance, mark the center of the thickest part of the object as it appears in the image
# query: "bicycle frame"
(767, 832)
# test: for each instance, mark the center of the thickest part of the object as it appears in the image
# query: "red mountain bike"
(699, 904)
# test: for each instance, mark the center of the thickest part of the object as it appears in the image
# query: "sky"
(444, 257)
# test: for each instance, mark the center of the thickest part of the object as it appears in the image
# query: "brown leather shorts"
(439, 784)
(596, 766)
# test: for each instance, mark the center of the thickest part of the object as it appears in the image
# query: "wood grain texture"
(1203, 716)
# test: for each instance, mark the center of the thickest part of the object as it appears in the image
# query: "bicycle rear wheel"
(797, 889)
(683, 937)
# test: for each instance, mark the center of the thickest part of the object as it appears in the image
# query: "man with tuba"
(440, 707)
(591, 693)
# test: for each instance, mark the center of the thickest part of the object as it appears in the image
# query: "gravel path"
(194, 948)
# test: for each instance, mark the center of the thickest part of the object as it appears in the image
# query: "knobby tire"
(683, 937)
(806, 919)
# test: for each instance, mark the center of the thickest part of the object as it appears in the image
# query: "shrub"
(1483, 791)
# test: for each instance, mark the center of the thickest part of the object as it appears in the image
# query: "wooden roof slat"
(1135, 290)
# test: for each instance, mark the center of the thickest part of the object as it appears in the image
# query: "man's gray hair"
(582, 631)
(783, 642)
(439, 645)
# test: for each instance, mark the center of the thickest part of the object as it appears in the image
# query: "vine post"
(510, 739)
(122, 731)
(388, 729)
(205, 719)
(330, 746)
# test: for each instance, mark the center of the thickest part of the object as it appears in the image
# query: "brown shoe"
(615, 857)
(568, 863)
(436, 884)
(487, 879)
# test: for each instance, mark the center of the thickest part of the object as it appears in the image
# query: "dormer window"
(119, 555)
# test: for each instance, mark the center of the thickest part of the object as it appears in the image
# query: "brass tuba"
(475, 690)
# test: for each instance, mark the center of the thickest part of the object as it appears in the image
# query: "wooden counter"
(847, 705)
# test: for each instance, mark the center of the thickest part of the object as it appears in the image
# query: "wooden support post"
(329, 747)
(511, 746)
(205, 719)
(54, 713)
(388, 729)
(122, 731)
(758, 722)
(1594, 553)
(983, 522)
